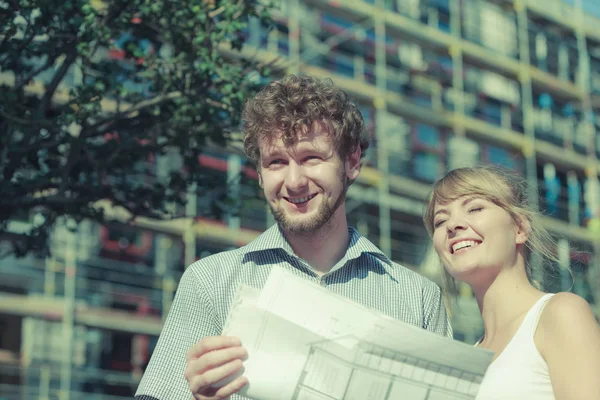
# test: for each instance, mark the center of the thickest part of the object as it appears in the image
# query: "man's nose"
(295, 179)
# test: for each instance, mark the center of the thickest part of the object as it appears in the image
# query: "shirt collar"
(270, 239)
(273, 238)
(360, 245)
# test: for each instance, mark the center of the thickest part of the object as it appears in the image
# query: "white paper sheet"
(307, 343)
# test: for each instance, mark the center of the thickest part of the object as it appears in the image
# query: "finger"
(212, 343)
(233, 387)
(201, 384)
(212, 360)
(216, 358)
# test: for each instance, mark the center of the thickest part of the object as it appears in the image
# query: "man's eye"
(475, 209)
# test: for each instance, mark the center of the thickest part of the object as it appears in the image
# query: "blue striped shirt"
(208, 286)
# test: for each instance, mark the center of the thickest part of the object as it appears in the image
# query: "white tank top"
(519, 372)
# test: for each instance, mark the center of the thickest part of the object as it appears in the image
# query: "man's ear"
(353, 164)
(260, 181)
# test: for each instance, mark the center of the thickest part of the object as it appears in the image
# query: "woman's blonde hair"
(507, 190)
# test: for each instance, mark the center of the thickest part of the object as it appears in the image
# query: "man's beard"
(323, 216)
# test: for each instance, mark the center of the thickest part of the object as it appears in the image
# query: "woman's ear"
(523, 231)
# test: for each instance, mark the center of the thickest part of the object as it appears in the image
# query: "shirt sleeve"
(190, 319)
(436, 317)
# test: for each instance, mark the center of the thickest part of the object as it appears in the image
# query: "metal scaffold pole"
(457, 70)
(294, 36)
(528, 148)
(590, 129)
(189, 234)
(380, 104)
(70, 257)
(51, 267)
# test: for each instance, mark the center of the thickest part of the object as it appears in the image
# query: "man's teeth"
(300, 199)
(463, 244)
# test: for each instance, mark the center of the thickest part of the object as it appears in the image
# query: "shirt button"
(322, 282)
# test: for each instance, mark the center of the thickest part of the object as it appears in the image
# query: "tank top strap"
(532, 318)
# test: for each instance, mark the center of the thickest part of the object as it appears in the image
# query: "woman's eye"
(475, 209)
(437, 224)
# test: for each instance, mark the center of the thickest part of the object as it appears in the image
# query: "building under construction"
(441, 84)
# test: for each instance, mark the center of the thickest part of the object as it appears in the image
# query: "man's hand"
(211, 360)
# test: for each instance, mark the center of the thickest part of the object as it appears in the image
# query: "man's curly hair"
(291, 105)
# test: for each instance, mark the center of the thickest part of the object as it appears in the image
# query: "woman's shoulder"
(562, 304)
(564, 314)
(568, 339)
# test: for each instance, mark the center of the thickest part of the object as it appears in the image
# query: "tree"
(90, 90)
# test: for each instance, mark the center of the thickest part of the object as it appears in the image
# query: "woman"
(547, 346)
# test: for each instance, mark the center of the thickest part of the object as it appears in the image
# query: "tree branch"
(26, 122)
(238, 14)
(129, 112)
(58, 77)
(216, 12)
(6, 38)
(74, 155)
(35, 72)
(94, 163)
(218, 104)
(155, 101)
(29, 202)
(27, 41)
(114, 155)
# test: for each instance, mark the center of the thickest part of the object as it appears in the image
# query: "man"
(305, 137)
